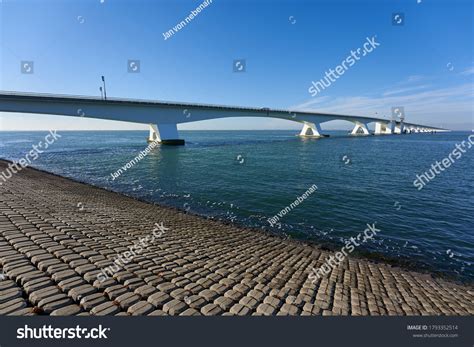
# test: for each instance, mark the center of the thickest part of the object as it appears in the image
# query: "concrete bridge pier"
(311, 130)
(398, 128)
(166, 134)
(382, 128)
(360, 129)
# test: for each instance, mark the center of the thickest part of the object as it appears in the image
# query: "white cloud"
(415, 78)
(404, 90)
(468, 72)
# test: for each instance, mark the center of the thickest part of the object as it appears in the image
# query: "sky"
(424, 65)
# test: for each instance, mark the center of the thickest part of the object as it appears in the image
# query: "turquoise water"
(249, 176)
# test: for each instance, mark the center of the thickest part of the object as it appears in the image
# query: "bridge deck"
(263, 111)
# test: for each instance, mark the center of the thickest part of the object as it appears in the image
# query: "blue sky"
(425, 65)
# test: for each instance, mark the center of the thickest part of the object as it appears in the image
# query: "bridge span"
(163, 117)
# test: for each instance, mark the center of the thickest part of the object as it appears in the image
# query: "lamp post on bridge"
(105, 92)
(101, 93)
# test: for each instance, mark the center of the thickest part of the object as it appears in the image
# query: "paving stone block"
(174, 307)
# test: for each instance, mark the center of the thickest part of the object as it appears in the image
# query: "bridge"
(163, 117)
